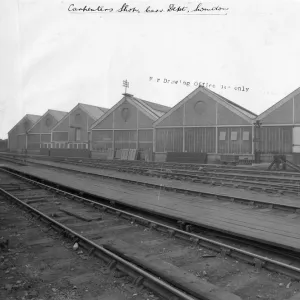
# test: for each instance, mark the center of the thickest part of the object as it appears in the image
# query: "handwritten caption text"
(199, 8)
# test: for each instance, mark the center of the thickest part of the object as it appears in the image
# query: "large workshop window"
(77, 134)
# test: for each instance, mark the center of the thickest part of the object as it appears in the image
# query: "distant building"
(3, 145)
(127, 125)
(73, 130)
(39, 135)
(17, 136)
(279, 131)
(205, 122)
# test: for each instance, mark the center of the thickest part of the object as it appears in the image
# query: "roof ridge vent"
(127, 94)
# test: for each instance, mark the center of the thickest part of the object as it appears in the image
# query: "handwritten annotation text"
(199, 83)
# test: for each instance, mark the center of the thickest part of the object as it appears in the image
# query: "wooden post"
(113, 132)
(154, 139)
(253, 137)
(293, 110)
(229, 139)
(183, 129)
(137, 129)
(241, 140)
(216, 128)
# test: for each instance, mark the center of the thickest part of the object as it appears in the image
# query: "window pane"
(234, 135)
(246, 135)
(222, 135)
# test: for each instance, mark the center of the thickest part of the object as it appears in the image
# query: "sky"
(53, 58)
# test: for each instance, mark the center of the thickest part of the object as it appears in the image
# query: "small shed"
(73, 130)
(17, 136)
(279, 126)
(127, 125)
(39, 135)
(205, 122)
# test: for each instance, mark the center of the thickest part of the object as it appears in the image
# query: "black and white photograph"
(149, 150)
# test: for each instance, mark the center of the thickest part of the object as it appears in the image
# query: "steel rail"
(125, 167)
(191, 236)
(181, 190)
(112, 255)
(270, 184)
(212, 167)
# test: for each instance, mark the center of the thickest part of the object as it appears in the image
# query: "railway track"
(190, 166)
(273, 183)
(104, 229)
(254, 202)
(165, 165)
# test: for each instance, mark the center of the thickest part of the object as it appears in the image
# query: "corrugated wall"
(203, 139)
(125, 139)
(21, 142)
(13, 141)
(102, 140)
(59, 136)
(145, 139)
(169, 140)
(200, 139)
(45, 137)
(33, 141)
(275, 139)
(3, 144)
(236, 140)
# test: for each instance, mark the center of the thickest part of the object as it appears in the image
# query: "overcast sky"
(51, 58)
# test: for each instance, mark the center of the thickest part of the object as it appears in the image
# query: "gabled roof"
(247, 115)
(94, 112)
(243, 110)
(279, 103)
(151, 109)
(57, 114)
(32, 118)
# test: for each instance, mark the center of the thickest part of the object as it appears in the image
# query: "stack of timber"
(124, 154)
(110, 153)
(132, 155)
(118, 154)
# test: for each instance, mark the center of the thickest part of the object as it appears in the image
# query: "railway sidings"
(157, 243)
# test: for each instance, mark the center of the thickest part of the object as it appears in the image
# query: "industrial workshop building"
(73, 130)
(127, 125)
(39, 135)
(205, 122)
(17, 136)
(278, 129)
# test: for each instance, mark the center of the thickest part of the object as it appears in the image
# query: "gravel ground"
(39, 264)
